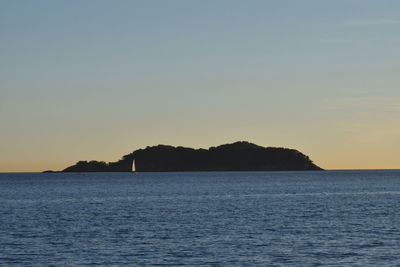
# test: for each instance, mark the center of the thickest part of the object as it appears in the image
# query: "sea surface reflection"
(334, 218)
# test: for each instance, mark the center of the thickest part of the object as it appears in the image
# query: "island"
(238, 156)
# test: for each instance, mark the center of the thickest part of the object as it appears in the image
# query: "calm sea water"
(333, 218)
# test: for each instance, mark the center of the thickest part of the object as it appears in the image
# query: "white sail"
(133, 166)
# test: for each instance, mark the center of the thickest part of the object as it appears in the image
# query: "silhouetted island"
(239, 156)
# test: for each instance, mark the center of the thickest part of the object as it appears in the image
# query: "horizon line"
(388, 169)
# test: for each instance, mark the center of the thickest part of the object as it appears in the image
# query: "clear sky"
(83, 80)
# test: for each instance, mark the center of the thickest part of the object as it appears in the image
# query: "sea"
(316, 218)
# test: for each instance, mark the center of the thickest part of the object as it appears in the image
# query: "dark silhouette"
(239, 156)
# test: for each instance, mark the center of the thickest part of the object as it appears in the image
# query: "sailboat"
(133, 166)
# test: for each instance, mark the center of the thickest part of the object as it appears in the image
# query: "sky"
(83, 80)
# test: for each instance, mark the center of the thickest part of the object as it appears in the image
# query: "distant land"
(238, 156)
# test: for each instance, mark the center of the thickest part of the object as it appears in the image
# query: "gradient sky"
(83, 80)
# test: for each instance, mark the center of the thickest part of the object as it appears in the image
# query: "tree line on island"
(238, 156)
